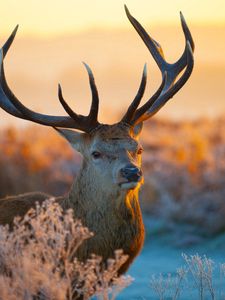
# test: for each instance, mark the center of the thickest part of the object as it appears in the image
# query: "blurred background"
(183, 199)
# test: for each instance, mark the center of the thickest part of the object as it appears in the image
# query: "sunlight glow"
(59, 17)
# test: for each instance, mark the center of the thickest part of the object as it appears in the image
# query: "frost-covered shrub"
(37, 259)
(196, 280)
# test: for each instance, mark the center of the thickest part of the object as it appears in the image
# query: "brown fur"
(111, 213)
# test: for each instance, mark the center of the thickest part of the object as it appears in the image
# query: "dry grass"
(185, 174)
(35, 159)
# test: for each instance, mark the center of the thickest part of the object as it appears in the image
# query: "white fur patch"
(129, 185)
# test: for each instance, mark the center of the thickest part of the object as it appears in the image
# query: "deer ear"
(73, 137)
(137, 129)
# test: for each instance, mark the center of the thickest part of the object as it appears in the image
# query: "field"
(183, 162)
(182, 198)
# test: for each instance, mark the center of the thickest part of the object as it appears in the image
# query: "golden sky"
(53, 17)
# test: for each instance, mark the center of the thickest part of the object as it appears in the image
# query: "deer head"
(111, 152)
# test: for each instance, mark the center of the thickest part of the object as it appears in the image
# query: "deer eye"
(96, 154)
(140, 150)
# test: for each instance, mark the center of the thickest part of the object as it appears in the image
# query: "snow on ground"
(160, 255)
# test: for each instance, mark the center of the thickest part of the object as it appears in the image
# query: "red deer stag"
(105, 193)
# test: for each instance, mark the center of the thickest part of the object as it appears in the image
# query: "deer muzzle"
(131, 173)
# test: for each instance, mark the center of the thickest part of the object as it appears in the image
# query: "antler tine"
(187, 32)
(9, 41)
(153, 46)
(65, 105)
(188, 37)
(134, 105)
(93, 114)
(142, 110)
(12, 105)
(4, 102)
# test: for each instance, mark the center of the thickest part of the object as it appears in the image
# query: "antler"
(134, 115)
(10, 103)
(169, 86)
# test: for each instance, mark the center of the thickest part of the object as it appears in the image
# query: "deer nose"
(131, 173)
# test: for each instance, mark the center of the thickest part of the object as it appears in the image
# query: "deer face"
(112, 154)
